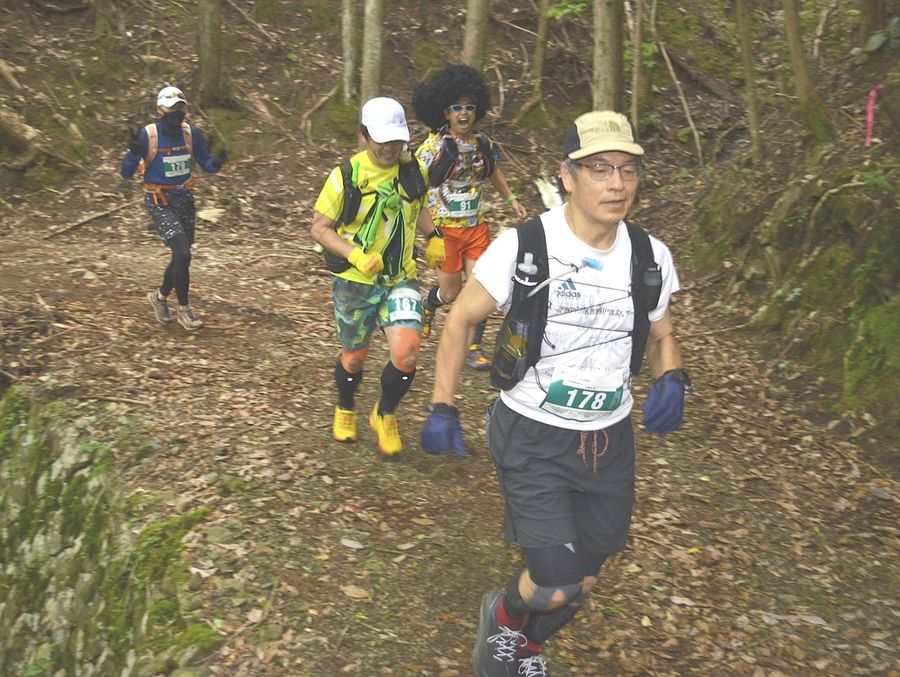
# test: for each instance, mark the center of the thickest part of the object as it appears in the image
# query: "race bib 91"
(462, 204)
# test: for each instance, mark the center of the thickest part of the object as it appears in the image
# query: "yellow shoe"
(476, 359)
(427, 319)
(385, 429)
(344, 429)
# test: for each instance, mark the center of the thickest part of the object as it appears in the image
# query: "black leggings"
(178, 272)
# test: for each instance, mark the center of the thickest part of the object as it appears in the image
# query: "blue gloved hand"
(441, 433)
(664, 406)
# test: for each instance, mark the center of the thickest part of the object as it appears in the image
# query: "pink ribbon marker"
(870, 112)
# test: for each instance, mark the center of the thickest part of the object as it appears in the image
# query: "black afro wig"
(432, 96)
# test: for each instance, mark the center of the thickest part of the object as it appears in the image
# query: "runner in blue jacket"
(163, 153)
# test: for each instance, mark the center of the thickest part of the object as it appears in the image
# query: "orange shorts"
(464, 243)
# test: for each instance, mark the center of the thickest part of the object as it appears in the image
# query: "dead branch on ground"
(684, 103)
(306, 120)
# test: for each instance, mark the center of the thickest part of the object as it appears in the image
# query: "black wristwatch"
(437, 232)
(442, 408)
(682, 377)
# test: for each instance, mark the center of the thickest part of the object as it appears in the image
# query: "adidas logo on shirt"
(568, 290)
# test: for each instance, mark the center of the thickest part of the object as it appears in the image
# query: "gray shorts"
(560, 485)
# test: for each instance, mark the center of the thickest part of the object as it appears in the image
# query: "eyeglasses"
(630, 171)
(457, 107)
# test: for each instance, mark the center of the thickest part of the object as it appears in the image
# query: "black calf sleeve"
(542, 626)
(394, 385)
(513, 603)
(347, 384)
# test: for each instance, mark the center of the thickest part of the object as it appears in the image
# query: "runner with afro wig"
(459, 161)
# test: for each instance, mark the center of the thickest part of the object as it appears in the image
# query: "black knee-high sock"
(394, 385)
(433, 300)
(347, 384)
(479, 332)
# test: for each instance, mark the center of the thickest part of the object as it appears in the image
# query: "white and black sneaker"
(160, 308)
(495, 645)
(187, 319)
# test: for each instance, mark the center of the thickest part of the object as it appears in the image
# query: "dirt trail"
(763, 542)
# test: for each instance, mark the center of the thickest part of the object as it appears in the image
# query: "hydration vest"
(153, 144)
(646, 286)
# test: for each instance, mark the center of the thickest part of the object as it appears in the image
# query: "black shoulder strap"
(646, 285)
(487, 151)
(352, 194)
(532, 239)
(411, 179)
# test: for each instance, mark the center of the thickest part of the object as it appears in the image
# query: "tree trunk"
(210, 89)
(477, 14)
(608, 54)
(813, 112)
(371, 58)
(872, 18)
(348, 47)
(540, 48)
(745, 34)
(104, 24)
(536, 76)
(637, 65)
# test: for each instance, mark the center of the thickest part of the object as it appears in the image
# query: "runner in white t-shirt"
(562, 438)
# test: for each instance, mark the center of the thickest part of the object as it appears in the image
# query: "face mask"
(173, 119)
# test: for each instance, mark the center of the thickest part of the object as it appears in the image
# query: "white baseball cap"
(385, 120)
(169, 96)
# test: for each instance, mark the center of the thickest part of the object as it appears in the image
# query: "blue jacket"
(173, 162)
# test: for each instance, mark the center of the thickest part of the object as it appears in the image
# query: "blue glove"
(664, 406)
(442, 433)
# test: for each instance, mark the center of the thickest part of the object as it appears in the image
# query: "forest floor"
(764, 539)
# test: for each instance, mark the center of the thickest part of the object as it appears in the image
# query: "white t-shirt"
(583, 379)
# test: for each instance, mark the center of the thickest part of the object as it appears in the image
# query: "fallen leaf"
(357, 593)
(681, 601)
(213, 214)
(350, 543)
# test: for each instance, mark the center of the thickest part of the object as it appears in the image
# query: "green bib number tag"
(176, 165)
(580, 404)
(462, 204)
(404, 304)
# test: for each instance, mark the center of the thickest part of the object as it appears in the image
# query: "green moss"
(871, 364)
(200, 636)
(319, 17)
(691, 38)
(428, 57)
(159, 544)
(13, 412)
(340, 120)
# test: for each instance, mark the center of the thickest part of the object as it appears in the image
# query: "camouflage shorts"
(359, 309)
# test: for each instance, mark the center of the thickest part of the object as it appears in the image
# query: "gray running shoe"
(160, 308)
(533, 666)
(187, 319)
(495, 645)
